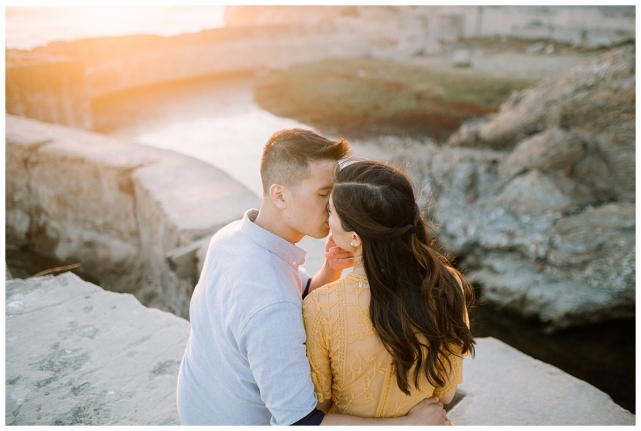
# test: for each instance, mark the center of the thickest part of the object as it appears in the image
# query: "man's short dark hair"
(288, 153)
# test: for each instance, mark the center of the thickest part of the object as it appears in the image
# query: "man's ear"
(277, 196)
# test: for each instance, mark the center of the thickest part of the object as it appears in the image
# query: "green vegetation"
(359, 96)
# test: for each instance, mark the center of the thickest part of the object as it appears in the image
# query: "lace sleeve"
(316, 327)
(454, 378)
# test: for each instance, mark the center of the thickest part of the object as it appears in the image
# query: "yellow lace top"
(348, 360)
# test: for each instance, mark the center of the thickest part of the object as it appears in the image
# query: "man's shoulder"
(257, 285)
(232, 228)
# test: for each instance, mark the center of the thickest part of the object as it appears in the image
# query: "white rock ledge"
(77, 354)
(119, 208)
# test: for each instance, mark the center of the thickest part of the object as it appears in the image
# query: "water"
(29, 27)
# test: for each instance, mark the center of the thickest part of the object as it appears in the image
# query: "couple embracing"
(270, 344)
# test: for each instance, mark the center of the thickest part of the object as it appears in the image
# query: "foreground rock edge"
(79, 355)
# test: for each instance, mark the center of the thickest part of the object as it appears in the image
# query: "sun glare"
(28, 27)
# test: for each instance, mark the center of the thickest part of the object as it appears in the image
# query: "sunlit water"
(29, 27)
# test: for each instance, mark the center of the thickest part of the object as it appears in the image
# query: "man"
(245, 362)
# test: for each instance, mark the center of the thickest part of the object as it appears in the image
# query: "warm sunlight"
(28, 27)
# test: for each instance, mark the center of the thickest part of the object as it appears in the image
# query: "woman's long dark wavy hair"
(415, 295)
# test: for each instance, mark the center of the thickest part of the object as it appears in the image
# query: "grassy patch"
(359, 96)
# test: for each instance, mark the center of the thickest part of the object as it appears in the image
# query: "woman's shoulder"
(323, 293)
(346, 286)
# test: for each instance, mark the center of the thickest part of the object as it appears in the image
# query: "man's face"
(306, 211)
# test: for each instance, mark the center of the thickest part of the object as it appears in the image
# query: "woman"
(393, 331)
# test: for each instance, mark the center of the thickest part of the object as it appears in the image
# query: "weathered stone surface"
(119, 208)
(537, 202)
(502, 386)
(554, 149)
(17, 185)
(47, 88)
(595, 101)
(79, 355)
(585, 237)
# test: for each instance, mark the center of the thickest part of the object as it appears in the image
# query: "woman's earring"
(354, 243)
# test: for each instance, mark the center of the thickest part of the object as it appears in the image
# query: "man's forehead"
(321, 174)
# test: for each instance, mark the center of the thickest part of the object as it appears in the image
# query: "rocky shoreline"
(547, 193)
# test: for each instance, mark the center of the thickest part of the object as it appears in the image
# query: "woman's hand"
(337, 258)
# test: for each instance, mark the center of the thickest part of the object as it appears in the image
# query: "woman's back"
(348, 359)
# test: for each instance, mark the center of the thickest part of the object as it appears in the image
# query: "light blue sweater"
(245, 362)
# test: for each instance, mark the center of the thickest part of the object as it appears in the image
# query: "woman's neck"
(358, 265)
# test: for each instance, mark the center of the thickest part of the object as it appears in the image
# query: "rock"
(535, 48)
(551, 150)
(502, 386)
(582, 238)
(532, 194)
(84, 197)
(47, 88)
(537, 201)
(462, 58)
(79, 355)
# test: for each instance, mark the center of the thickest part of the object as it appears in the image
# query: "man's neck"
(269, 220)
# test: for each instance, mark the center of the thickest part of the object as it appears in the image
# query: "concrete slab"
(503, 386)
(79, 355)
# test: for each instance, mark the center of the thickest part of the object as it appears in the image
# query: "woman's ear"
(356, 240)
(277, 196)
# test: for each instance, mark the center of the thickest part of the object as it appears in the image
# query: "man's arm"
(446, 399)
(428, 412)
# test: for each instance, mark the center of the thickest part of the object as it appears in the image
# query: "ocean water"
(29, 27)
